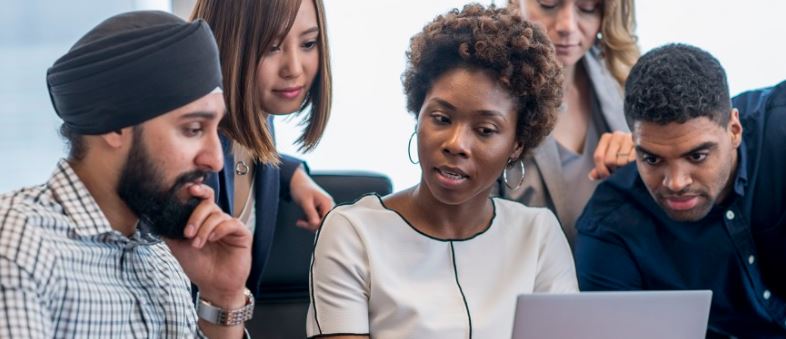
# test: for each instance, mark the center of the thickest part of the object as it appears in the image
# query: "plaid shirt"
(65, 273)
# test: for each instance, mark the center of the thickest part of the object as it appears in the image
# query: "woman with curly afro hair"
(596, 45)
(442, 259)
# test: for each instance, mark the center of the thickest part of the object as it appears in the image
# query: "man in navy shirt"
(704, 205)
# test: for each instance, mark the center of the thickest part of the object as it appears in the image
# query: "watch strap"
(219, 316)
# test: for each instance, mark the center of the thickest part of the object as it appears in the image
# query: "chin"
(694, 214)
(284, 108)
(452, 197)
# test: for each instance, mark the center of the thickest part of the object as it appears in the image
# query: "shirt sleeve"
(22, 313)
(556, 271)
(339, 280)
(603, 263)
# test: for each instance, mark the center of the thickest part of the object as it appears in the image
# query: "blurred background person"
(595, 43)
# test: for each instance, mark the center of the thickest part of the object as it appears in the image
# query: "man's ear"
(118, 138)
(735, 128)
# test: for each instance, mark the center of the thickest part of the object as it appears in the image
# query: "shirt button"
(729, 215)
(751, 259)
(767, 295)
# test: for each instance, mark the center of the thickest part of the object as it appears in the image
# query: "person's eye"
(310, 44)
(486, 131)
(697, 157)
(588, 7)
(275, 47)
(650, 160)
(440, 119)
(193, 130)
(548, 4)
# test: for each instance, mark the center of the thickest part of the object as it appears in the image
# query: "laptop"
(611, 315)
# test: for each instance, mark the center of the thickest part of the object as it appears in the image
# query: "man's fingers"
(198, 216)
(206, 228)
(201, 191)
(230, 231)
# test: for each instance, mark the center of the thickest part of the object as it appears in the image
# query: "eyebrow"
(451, 107)
(708, 145)
(444, 103)
(201, 115)
(314, 29)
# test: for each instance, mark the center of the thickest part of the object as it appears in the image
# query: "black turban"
(131, 68)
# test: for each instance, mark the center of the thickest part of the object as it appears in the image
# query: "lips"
(564, 48)
(681, 203)
(289, 92)
(451, 176)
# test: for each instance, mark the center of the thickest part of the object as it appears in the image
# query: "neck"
(570, 74)
(100, 179)
(576, 91)
(448, 221)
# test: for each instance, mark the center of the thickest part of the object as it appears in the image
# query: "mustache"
(686, 192)
(189, 177)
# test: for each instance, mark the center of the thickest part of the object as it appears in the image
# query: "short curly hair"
(506, 47)
(676, 83)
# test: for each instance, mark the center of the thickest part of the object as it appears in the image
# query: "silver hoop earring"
(409, 148)
(505, 175)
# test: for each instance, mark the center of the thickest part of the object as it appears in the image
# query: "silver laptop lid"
(610, 315)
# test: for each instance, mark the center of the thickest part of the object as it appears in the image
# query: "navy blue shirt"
(626, 242)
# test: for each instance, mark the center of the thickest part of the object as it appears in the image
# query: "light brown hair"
(618, 44)
(244, 30)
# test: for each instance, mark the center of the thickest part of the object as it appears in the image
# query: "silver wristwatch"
(215, 315)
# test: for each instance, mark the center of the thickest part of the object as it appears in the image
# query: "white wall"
(370, 127)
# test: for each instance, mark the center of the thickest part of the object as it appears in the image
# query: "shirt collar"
(87, 219)
(741, 179)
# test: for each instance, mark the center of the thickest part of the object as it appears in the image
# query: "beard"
(142, 188)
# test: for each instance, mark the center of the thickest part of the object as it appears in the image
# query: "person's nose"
(211, 156)
(457, 142)
(291, 66)
(566, 19)
(677, 179)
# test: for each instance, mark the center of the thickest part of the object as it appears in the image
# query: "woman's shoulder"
(502, 205)
(515, 213)
(357, 214)
(366, 203)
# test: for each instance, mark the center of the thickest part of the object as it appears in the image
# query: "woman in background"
(442, 259)
(596, 45)
(275, 61)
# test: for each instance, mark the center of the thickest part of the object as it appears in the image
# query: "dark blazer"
(270, 184)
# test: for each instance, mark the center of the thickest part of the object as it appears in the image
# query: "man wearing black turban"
(109, 245)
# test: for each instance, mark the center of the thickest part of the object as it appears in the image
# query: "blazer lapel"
(607, 91)
(548, 162)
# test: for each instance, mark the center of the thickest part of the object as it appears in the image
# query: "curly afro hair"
(510, 49)
(676, 83)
